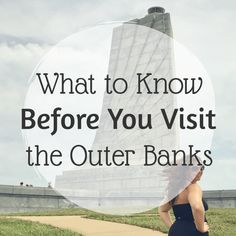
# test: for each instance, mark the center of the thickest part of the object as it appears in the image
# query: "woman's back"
(184, 221)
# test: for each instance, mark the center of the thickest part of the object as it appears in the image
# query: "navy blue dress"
(184, 222)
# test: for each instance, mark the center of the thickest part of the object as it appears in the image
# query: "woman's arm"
(165, 214)
(195, 200)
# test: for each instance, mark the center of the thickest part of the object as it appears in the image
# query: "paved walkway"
(90, 227)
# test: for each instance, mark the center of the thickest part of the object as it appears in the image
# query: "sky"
(29, 29)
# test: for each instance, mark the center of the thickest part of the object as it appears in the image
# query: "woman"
(189, 210)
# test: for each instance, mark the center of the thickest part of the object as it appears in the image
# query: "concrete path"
(90, 227)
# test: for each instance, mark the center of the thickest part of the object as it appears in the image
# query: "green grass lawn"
(222, 221)
(15, 227)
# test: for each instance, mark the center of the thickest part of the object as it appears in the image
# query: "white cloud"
(221, 175)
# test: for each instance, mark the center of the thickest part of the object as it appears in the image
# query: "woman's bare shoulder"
(194, 187)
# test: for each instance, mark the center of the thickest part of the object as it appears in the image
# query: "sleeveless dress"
(184, 223)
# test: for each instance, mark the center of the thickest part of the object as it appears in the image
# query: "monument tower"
(138, 46)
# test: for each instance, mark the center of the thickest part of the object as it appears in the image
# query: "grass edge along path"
(222, 222)
(13, 227)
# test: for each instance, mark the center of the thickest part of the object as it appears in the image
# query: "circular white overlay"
(116, 153)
